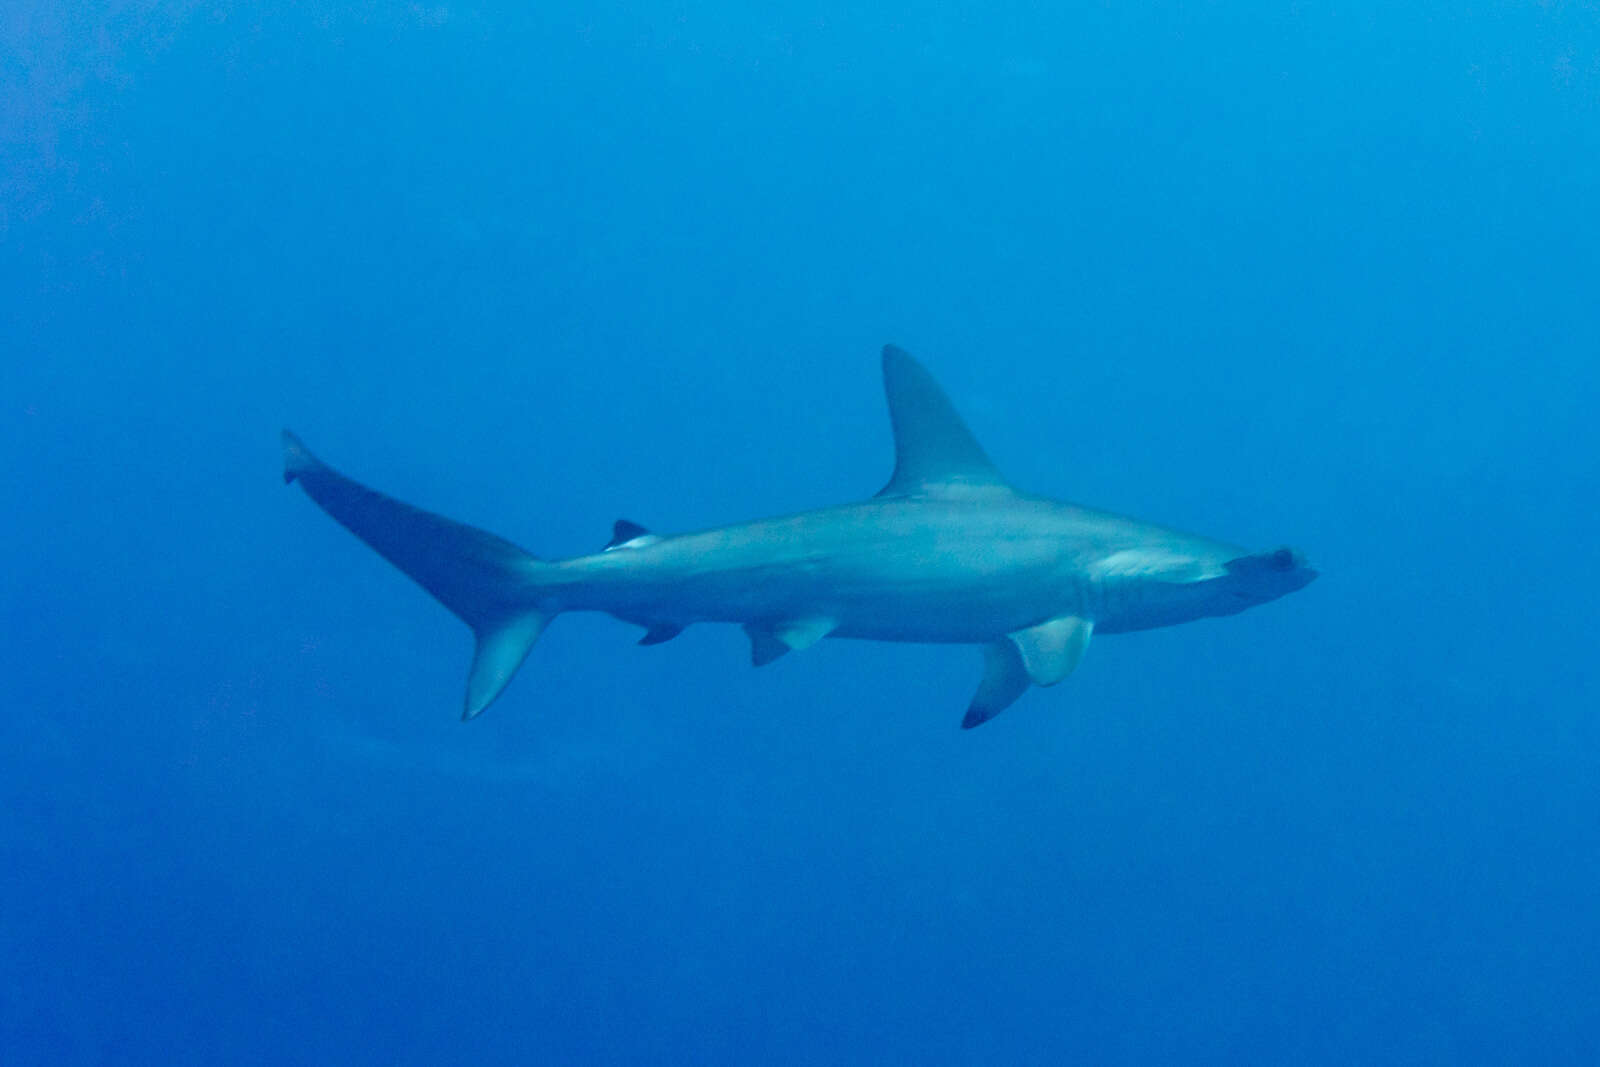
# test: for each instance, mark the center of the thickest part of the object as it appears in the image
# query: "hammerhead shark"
(948, 552)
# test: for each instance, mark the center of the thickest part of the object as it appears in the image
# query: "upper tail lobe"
(489, 583)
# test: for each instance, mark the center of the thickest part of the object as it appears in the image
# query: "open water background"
(1320, 273)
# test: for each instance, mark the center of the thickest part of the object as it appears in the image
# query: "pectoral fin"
(1039, 655)
(1005, 678)
(1052, 649)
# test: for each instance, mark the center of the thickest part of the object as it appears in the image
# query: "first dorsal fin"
(934, 452)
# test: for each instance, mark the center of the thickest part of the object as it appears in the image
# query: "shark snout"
(1268, 575)
(1291, 561)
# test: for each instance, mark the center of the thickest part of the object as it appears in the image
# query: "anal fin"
(801, 634)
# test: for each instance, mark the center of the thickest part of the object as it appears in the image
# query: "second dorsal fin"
(625, 534)
(934, 452)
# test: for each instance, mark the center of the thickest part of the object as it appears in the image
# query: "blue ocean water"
(1313, 273)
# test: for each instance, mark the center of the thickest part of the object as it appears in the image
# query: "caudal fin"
(488, 582)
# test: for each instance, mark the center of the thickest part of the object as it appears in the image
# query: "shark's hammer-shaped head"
(1263, 576)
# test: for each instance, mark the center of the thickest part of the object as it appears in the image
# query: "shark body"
(948, 552)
